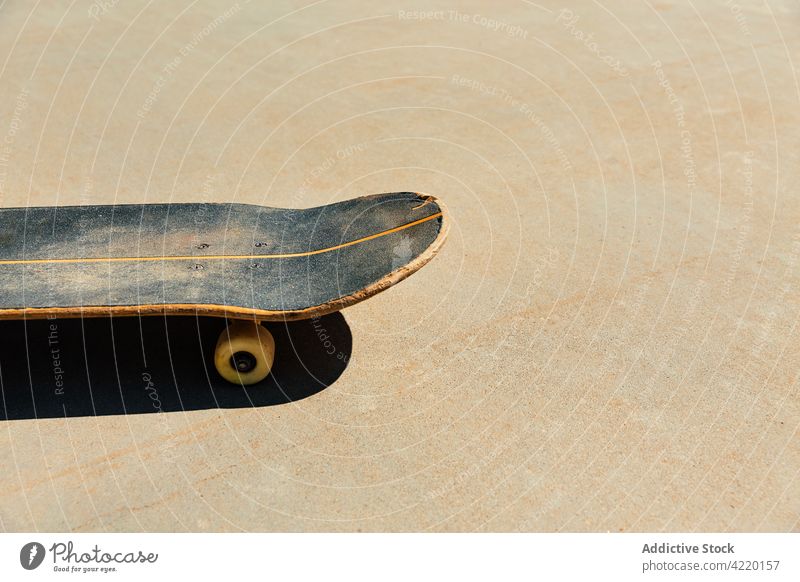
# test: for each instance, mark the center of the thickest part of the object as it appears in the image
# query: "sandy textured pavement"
(607, 342)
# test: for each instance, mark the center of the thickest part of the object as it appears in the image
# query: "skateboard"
(242, 262)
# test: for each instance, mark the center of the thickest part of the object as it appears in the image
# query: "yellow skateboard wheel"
(245, 352)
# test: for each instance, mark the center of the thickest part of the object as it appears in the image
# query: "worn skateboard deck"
(229, 260)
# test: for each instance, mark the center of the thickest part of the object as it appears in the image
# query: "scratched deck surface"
(221, 259)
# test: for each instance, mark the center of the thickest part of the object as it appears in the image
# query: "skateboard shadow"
(95, 367)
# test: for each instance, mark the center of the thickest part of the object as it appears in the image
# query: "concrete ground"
(607, 342)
